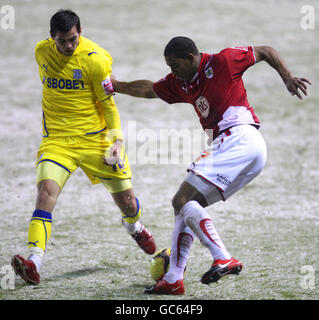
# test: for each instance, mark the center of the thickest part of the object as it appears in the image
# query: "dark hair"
(63, 21)
(180, 47)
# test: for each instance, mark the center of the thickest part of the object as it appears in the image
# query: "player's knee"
(43, 195)
(47, 195)
(129, 207)
(178, 202)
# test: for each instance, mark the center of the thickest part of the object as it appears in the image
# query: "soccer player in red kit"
(213, 84)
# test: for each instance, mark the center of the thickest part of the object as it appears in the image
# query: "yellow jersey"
(72, 88)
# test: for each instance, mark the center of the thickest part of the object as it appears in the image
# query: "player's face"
(66, 43)
(182, 68)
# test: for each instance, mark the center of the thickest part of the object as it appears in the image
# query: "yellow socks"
(39, 234)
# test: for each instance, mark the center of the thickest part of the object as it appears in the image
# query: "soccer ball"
(159, 264)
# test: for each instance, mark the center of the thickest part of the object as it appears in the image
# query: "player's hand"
(114, 154)
(114, 82)
(112, 77)
(295, 84)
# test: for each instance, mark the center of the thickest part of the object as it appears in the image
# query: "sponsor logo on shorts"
(223, 180)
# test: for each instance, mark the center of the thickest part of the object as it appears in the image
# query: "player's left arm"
(272, 57)
(113, 122)
(101, 71)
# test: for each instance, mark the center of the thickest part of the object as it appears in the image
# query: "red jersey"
(217, 90)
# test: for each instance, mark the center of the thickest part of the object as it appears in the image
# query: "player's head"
(183, 57)
(65, 30)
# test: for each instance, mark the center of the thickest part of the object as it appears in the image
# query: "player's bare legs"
(191, 219)
(182, 239)
(48, 192)
(131, 211)
(126, 201)
(39, 232)
(185, 194)
(189, 204)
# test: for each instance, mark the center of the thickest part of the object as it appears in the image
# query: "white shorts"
(235, 158)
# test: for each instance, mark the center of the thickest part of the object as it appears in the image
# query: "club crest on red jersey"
(209, 73)
(202, 106)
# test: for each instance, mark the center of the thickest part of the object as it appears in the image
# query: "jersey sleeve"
(239, 59)
(112, 119)
(39, 57)
(166, 90)
(101, 65)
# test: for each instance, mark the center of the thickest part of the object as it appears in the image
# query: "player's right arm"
(272, 57)
(137, 88)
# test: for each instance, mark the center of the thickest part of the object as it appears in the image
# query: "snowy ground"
(271, 226)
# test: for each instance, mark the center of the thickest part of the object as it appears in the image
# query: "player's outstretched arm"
(137, 88)
(272, 57)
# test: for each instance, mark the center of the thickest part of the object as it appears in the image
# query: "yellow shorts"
(59, 157)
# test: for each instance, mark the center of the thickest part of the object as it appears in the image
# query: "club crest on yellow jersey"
(77, 73)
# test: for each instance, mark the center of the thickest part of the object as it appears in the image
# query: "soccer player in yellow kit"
(81, 128)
